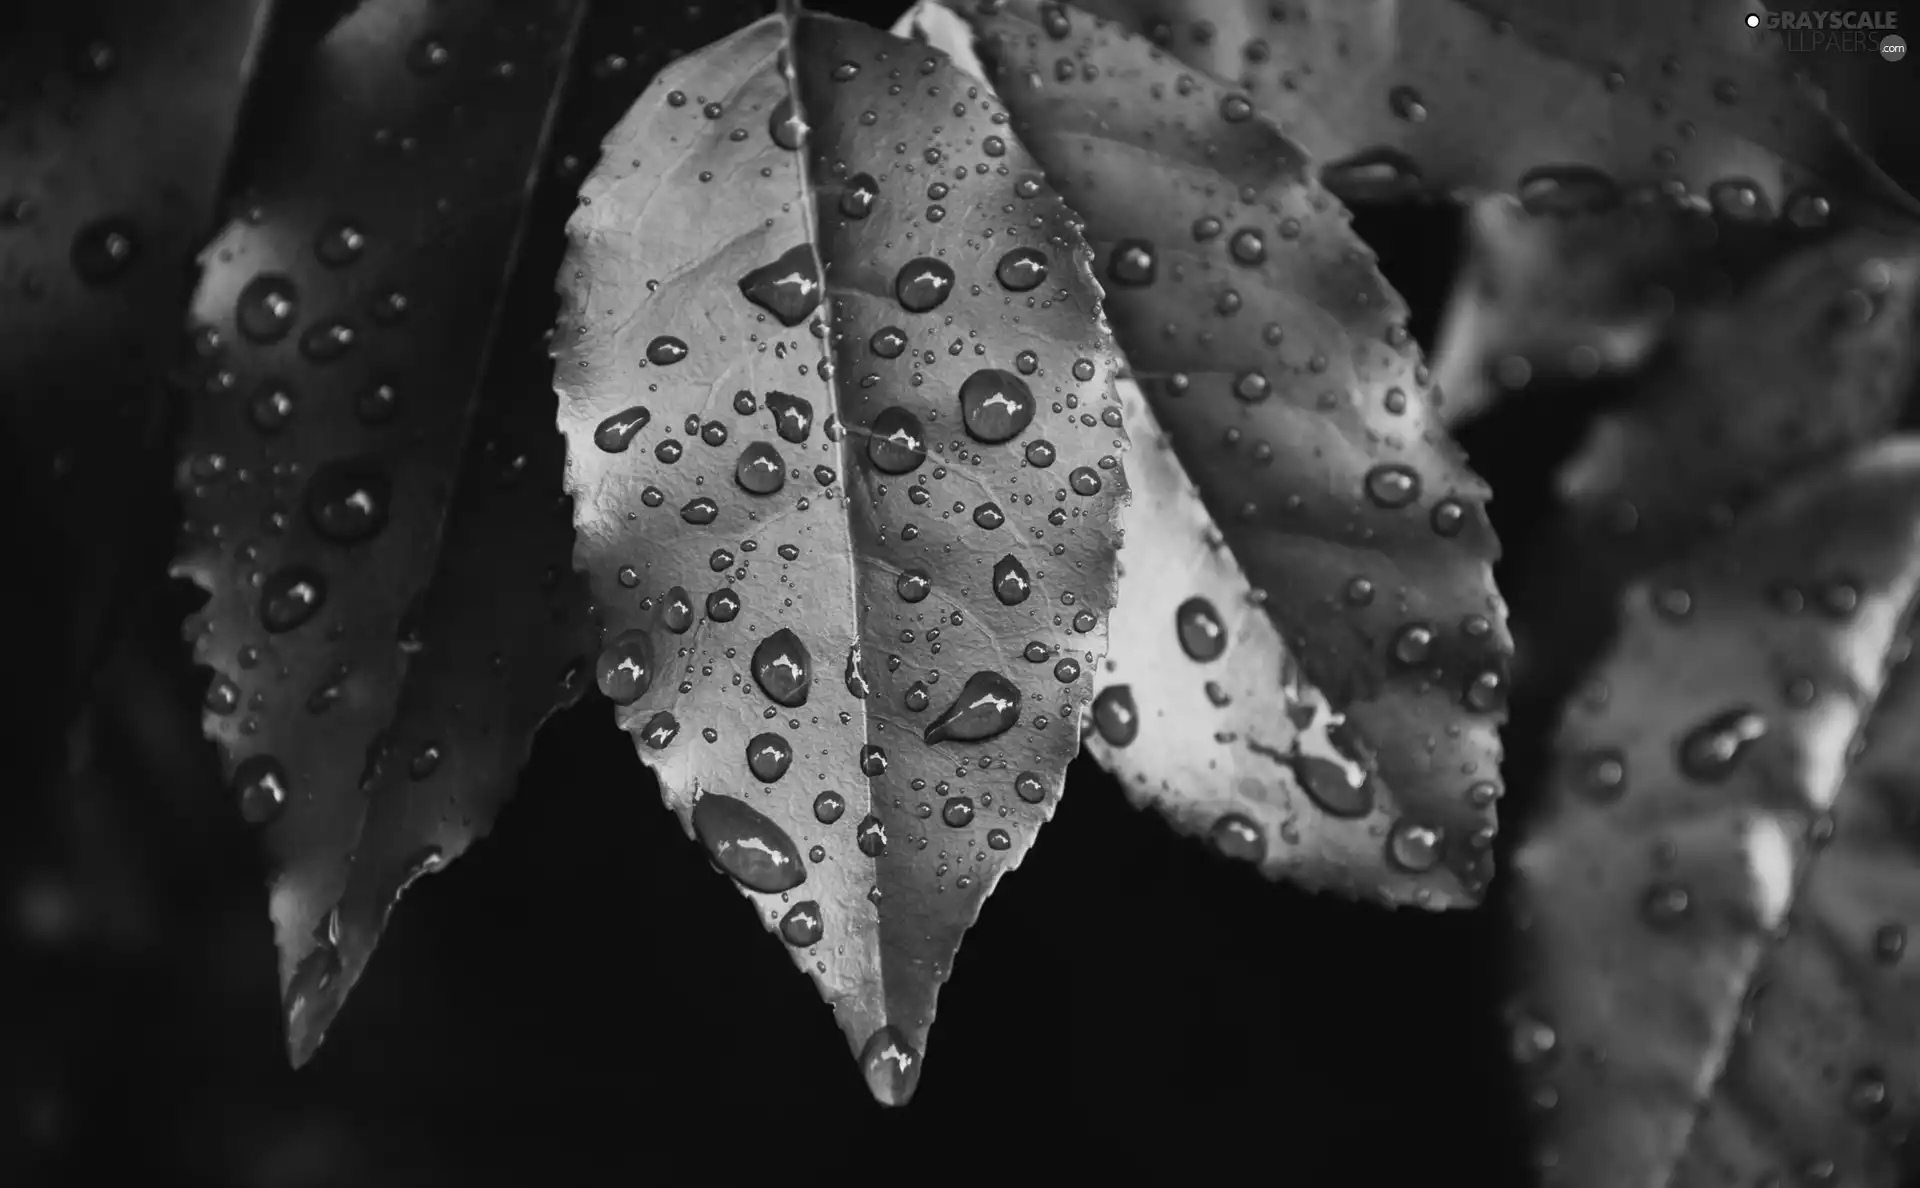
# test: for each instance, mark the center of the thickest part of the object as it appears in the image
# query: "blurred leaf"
(1488, 95)
(888, 569)
(1715, 900)
(1278, 362)
(115, 120)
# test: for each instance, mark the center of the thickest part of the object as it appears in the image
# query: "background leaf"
(1481, 96)
(852, 602)
(1715, 900)
(1279, 363)
(372, 498)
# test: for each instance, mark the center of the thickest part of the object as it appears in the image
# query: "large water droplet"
(897, 443)
(1022, 269)
(923, 284)
(1413, 847)
(783, 668)
(996, 405)
(870, 836)
(957, 812)
(625, 668)
(1393, 485)
(913, 585)
(988, 705)
(769, 756)
(1114, 716)
(803, 925)
(857, 199)
(1133, 263)
(792, 416)
(260, 786)
(1247, 246)
(1203, 635)
(747, 844)
(760, 470)
(828, 807)
(1011, 582)
(267, 307)
(1710, 752)
(660, 730)
(676, 610)
(788, 288)
(666, 350)
(290, 597)
(891, 1066)
(1237, 837)
(1327, 784)
(617, 432)
(348, 500)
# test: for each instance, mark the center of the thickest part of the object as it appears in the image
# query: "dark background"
(583, 994)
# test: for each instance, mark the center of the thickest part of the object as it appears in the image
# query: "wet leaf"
(1715, 898)
(1278, 363)
(868, 500)
(1486, 95)
(117, 122)
(372, 473)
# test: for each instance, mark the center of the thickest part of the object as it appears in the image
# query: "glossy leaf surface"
(1278, 363)
(372, 474)
(1491, 95)
(845, 454)
(1715, 900)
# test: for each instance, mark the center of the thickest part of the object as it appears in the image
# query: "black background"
(583, 994)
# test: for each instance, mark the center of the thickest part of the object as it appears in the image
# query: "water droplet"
(260, 786)
(1011, 582)
(266, 308)
(897, 443)
(783, 668)
(339, 243)
(1203, 634)
(723, 605)
(1022, 269)
(871, 836)
(760, 470)
(891, 1066)
(348, 501)
(1486, 692)
(923, 284)
(999, 839)
(788, 288)
(1449, 516)
(1248, 246)
(676, 610)
(1234, 836)
(1235, 109)
(747, 844)
(1412, 645)
(1132, 264)
(1710, 752)
(666, 350)
(223, 696)
(913, 585)
(1413, 847)
(1114, 716)
(103, 251)
(918, 697)
(792, 416)
(857, 199)
(988, 706)
(290, 597)
(856, 677)
(1084, 480)
(1040, 453)
(873, 760)
(989, 516)
(328, 341)
(802, 926)
(625, 668)
(1405, 103)
(786, 127)
(1889, 943)
(1327, 785)
(1600, 774)
(660, 730)
(1029, 787)
(1393, 485)
(768, 757)
(1665, 905)
(957, 812)
(996, 405)
(617, 432)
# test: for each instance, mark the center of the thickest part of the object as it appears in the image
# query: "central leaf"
(845, 452)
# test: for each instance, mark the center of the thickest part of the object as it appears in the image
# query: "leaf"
(1489, 95)
(852, 602)
(114, 138)
(1715, 898)
(373, 472)
(1278, 362)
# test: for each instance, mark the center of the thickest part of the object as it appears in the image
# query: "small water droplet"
(103, 251)
(768, 756)
(1203, 634)
(260, 786)
(1405, 103)
(1710, 752)
(1393, 485)
(857, 199)
(1011, 582)
(1248, 246)
(290, 597)
(660, 730)
(1234, 836)
(923, 284)
(266, 308)
(1665, 905)
(1132, 264)
(1022, 269)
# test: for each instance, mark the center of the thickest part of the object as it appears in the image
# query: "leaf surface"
(1278, 363)
(845, 455)
(372, 469)
(1715, 899)
(118, 116)
(1488, 95)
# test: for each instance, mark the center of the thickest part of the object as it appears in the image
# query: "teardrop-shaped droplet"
(1711, 751)
(660, 730)
(701, 510)
(1393, 485)
(747, 844)
(625, 667)
(349, 500)
(1022, 269)
(888, 342)
(788, 288)
(1328, 785)
(988, 706)
(792, 416)
(676, 610)
(923, 284)
(260, 787)
(1115, 717)
(857, 199)
(1235, 836)
(786, 127)
(760, 470)
(891, 1066)
(768, 756)
(267, 308)
(783, 668)
(802, 926)
(898, 442)
(856, 677)
(1133, 263)
(617, 432)
(1203, 634)
(290, 597)
(1011, 582)
(996, 405)
(666, 350)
